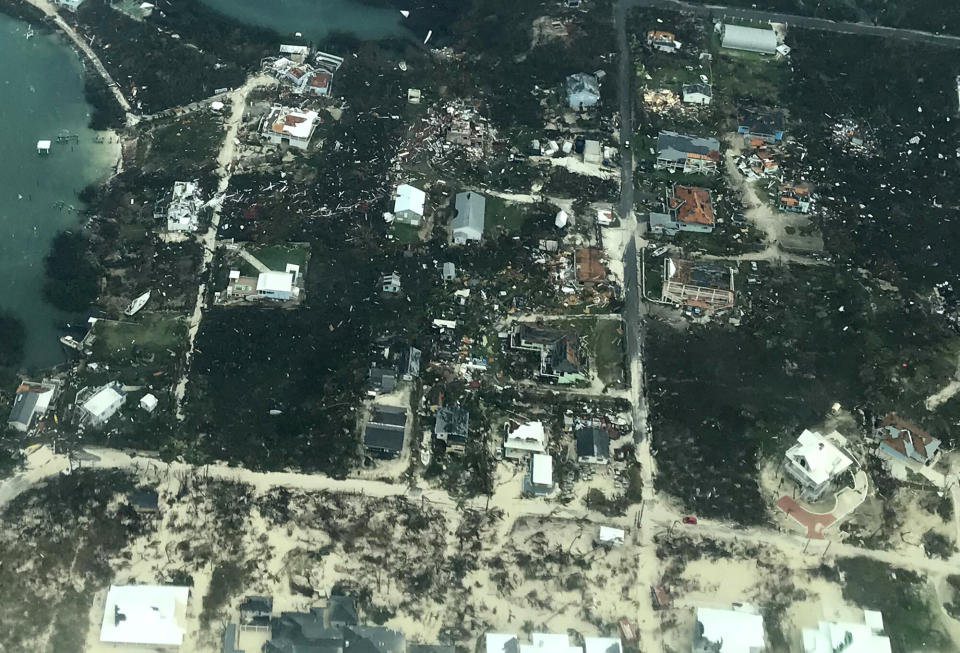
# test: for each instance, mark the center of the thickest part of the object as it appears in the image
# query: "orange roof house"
(691, 205)
(589, 264)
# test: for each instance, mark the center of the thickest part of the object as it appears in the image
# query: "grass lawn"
(406, 234)
(276, 257)
(152, 331)
(503, 216)
(606, 340)
(749, 76)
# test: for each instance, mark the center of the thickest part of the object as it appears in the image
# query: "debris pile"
(853, 138)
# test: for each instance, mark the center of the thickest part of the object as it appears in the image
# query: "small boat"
(660, 251)
(137, 304)
(30, 31)
(425, 457)
(71, 342)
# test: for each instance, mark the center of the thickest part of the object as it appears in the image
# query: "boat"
(137, 304)
(425, 456)
(71, 342)
(660, 251)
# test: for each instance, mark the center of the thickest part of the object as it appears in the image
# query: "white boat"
(137, 304)
(71, 342)
(425, 457)
(660, 251)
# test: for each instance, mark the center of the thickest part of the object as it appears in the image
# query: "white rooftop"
(818, 456)
(409, 198)
(145, 614)
(608, 534)
(602, 644)
(542, 469)
(294, 123)
(737, 630)
(497, 643)
(831, 636)
(102, 401)
(275, 282)
(549, 643)
(528, 437)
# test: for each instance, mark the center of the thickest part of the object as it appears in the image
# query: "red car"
(689, 519)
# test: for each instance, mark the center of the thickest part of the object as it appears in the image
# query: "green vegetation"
(228, 579)
(140, 352)
(276, 257)
(503, 216)
(902, 596)
(406, 234)
(937, 544)
(185, 143)
(72, 275)
(811, 337)
(606, 340)
(67, 529)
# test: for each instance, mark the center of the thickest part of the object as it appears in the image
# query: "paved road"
(823, 24)
(632, 308)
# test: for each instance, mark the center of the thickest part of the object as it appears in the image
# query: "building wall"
(278, 139)
(808, 489)
(408, 217)
(274, 294)
(695, 227)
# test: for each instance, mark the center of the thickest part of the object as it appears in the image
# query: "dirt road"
(238, 99)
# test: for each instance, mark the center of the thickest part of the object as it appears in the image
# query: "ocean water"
(41, 94)
(314, 18)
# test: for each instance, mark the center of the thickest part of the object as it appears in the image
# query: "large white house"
(279, 285)
(814, 461)
(408, 204)
(141, 616)
(525, 439)
(103, 404)
(831, 636)
(751, 39)
(728, 631)
(293, 127)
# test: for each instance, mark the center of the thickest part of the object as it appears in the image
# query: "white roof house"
(409, 203)
(467, 224)
(291, 126)
(542, 473)
(814, 461)
(752, 39)
(104, 403)
(501, 643)
(549, 643)
(148, 402)
(525, 439)
(602, 644)
(151, 615)
(831, 636)
(609, 535)
(736, 631)
(275, 284)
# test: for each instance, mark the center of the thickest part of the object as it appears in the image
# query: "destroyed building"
(452, 428)
(183, 209)
(760, 124)
(795, 198)
(561, 356)
(703, 284)
(902, 440)
(583, 91)
(690, 154)
(662, 41)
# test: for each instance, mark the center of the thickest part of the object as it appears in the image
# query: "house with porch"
(689, 154)
(815, 461)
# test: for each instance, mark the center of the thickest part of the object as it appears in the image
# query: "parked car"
(689, 519)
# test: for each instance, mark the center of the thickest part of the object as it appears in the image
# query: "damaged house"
(291, 127)
(759, 124)
(902, 440)
(452, 427)
(795, 198)
(687, 208)
(583, 91)
(561, 356)
(690, 154)
(183, 210)
(703, 284)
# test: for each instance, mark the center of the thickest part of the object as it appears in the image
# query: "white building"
(183, 212)
(408, 204)
(830, 636)
(549, 643)
(297, 53)
(276, 285)
(814, 461)
(541, 474)
(592, 152)
(148, 402)
(611, 536)
(728, 631)
(524, 440)
(751, 39)
(103, 404)
(293, 127)
(145, 615)
(468, 222)
(697, 94)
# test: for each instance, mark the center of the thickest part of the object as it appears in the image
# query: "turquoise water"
(314, 18)
(41, 93)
